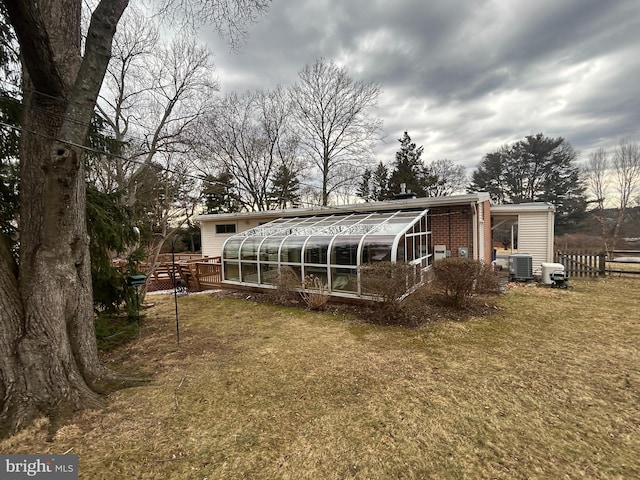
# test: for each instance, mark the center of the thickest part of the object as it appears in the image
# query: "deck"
(196, 273)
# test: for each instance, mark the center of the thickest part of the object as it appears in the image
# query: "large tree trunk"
(49, 360)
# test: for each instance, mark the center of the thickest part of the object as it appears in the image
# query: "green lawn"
(547, 387)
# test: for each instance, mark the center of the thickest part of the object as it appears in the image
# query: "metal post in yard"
(175, 286)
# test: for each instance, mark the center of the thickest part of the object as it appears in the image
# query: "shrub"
(287, 285)
(458, 279)
(316, 296)
(387, 282)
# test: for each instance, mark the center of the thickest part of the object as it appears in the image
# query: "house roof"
(409, 203)
(514, 209)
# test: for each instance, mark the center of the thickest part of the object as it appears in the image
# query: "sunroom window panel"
(400, 254)
(344, 280)
(249, 249)
(377, 249)
(390, 228)
(315, 277)
(268, 273)
(231, 248)
(344, 250)
(424, 245)
(291, 251)
(315, 251)
(232, 271)
(295, 272)
(269, 249)
(249, 272)
(410, 248)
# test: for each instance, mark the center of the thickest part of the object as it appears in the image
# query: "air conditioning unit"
(520, 267)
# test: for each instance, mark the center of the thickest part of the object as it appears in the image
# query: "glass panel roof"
(387, 223)
(330, 247)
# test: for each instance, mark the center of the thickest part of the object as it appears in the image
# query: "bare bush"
(387, 282)
(287, 284)
(580, 241)
(316, 293)
(458, 279)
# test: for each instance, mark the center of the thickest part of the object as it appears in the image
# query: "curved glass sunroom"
(330, 248)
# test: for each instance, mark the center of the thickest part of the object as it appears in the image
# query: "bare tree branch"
(334, 125)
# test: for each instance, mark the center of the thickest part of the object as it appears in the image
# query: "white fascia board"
(354, 208)
(514, 209)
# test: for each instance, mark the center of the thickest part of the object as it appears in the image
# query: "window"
(226, 228)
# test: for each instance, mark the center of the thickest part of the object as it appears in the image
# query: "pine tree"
(380, 184)
(408, 169)
(374, 186)
(220, 194)
(536, 169)
(285, 190)
(364, 188)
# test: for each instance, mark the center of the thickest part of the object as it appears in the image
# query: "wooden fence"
(581, 264)
(619, 262)
(584, 264)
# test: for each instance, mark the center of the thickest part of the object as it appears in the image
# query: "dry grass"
(548, 387)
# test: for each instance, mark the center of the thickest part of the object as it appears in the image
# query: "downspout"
(474, 222)
(550, 234)
(481, 249)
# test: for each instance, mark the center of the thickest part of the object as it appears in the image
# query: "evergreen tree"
(220, 194)
(380, 183)
(536, 169)
(111, 229)
(374, 186)
(408, 169)
(285, 189)
(364, 188)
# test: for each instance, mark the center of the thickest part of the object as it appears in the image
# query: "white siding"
(212, 242)
(535, 237)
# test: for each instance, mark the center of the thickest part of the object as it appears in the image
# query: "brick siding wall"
(451, 226)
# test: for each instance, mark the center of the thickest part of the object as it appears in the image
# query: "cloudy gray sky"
(463, 77)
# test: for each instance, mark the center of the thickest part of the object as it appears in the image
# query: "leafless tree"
(613, 183)
(334, 123)
(154, 91)
(49, 362)
(626, 166)
(448, 178)
(250, 137)
(595, 172)
(596, 175)
(171, 195)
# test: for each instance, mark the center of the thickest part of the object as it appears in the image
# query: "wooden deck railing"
(194, 273)
(208, 274)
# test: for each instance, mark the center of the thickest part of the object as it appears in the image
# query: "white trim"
(409, 203)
